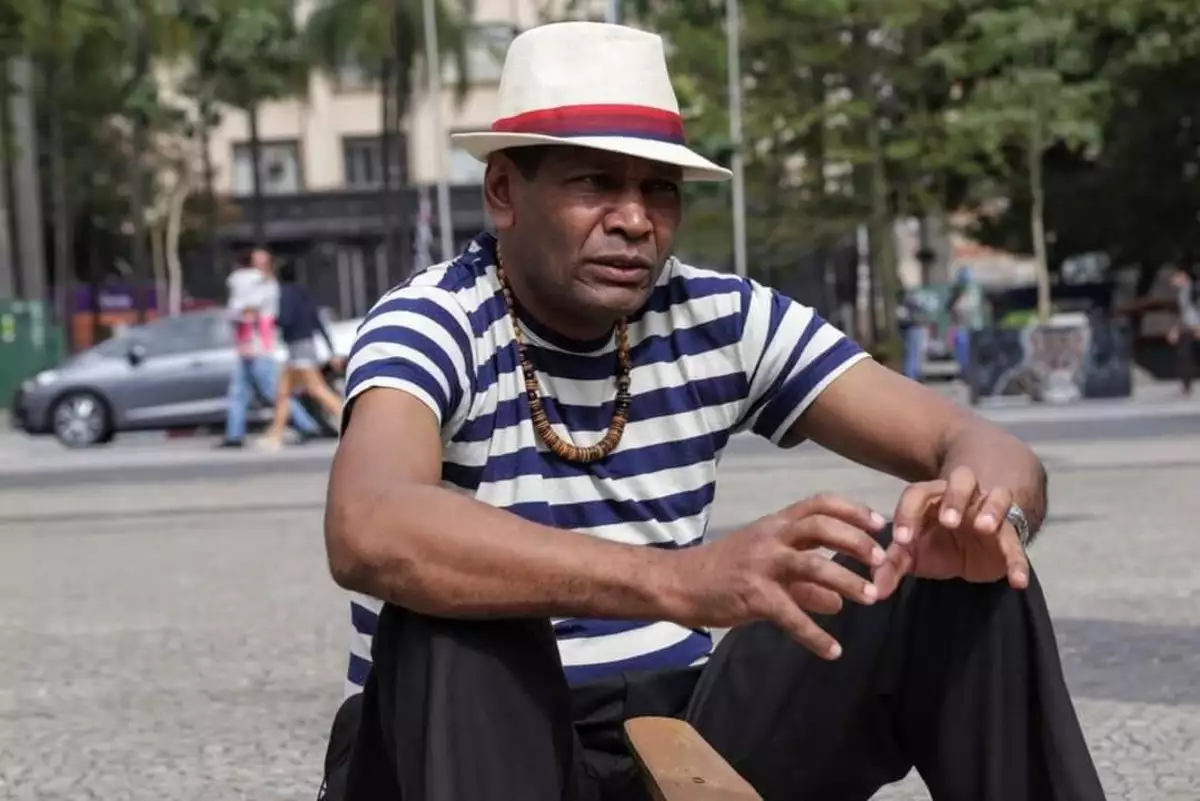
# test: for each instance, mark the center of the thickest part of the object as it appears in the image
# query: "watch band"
(1020, 522)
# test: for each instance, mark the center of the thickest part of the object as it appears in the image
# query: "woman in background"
(299, 322)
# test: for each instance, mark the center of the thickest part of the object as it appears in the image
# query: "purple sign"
(113, 298)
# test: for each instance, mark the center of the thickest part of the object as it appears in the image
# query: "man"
(525, 477)
(253, 306)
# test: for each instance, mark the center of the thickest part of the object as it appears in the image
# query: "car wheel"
(81, 419)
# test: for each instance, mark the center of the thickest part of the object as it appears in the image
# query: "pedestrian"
(964, 312)
(252, 307)
(299, 322)
(913, 322)
(522, 490)
(1184, 335)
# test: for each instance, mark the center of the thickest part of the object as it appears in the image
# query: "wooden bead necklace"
(541, 424)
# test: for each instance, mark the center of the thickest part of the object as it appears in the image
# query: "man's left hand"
(953, 528)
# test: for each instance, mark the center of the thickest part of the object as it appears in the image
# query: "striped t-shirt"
(712, 354)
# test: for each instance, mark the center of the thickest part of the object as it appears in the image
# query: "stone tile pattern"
(182, 640)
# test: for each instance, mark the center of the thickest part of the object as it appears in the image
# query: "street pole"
(612, 13)
(433, 63)
(738, 166)
(30, 252)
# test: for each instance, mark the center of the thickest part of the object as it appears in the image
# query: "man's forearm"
(999, 459)
(439, 552)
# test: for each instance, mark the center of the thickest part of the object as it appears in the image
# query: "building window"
(486, 47)
(362, 160)
(465, 169)
(280, 171)
(352, 76)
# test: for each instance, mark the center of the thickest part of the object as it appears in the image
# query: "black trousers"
(960, 680)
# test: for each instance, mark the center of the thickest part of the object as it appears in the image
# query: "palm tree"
(385, 39)
(246, 52)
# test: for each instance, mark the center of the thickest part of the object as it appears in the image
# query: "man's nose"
(628, 216)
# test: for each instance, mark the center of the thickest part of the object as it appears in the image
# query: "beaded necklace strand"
(560, 447)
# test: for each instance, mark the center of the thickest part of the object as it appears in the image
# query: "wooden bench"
(679, 765)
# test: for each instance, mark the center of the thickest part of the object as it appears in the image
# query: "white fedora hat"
(595, 85)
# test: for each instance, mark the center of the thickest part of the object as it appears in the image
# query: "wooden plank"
(681, 766)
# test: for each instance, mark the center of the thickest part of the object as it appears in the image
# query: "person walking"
(1185, 334)
(252, 308)
(299, 322)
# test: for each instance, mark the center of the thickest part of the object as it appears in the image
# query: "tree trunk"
(212, 216)
(883, 236)
(137, 173)
(137, 210)
(179, 195)
(1037, 219)
(64, 267)
(260, 213)
(157, 266)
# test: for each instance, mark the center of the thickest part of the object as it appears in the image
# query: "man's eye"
(663, 187)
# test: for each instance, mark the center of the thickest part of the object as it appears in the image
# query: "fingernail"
(877, 519)
(835, 651)
(985, 521)
(950, 518)
(870, 592)
(902, 534)
(1020, 578)
(878, 557)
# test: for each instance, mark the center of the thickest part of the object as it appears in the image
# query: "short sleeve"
(417, 340)
(790, 355)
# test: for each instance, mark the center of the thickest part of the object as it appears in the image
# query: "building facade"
(322, 164)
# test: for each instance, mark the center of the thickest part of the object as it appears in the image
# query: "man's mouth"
(627, 272)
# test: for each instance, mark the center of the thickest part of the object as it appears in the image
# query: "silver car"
(169, 373)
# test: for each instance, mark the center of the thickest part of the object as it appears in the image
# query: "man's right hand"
(771, 570)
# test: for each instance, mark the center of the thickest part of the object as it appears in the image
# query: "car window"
(183, 334)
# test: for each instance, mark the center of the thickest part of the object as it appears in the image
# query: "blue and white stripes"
(712, 354)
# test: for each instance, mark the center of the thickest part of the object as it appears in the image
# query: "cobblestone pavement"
(182, 640)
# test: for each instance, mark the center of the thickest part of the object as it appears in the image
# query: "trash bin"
(30, 341)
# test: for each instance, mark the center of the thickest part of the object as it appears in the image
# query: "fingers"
(992, 511)
(961, 488)
(911, 508)
(1016, 562)
(814, 599)
(856, 514)
(888, 575)
(783, 612)
(820, 531)
(830, 575)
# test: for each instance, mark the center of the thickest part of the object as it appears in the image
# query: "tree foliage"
(863, 111)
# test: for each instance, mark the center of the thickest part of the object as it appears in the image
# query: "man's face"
(586, 230)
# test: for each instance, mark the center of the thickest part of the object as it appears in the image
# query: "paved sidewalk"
(182, 640)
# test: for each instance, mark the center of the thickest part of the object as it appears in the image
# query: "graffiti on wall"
(1057, 363)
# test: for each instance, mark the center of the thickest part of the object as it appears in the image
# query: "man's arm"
(880, 419)
(392, 532)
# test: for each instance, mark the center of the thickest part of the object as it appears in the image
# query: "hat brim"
(695, 167)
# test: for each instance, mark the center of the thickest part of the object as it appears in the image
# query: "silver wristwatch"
(1020, 522)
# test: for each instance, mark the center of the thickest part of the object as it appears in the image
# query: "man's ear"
(498, 191)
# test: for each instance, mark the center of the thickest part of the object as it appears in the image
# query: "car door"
(179, 373)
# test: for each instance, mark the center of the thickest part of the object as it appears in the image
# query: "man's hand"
(771, 570)
(953, 528)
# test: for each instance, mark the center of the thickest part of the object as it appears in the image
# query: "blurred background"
(999, 198)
